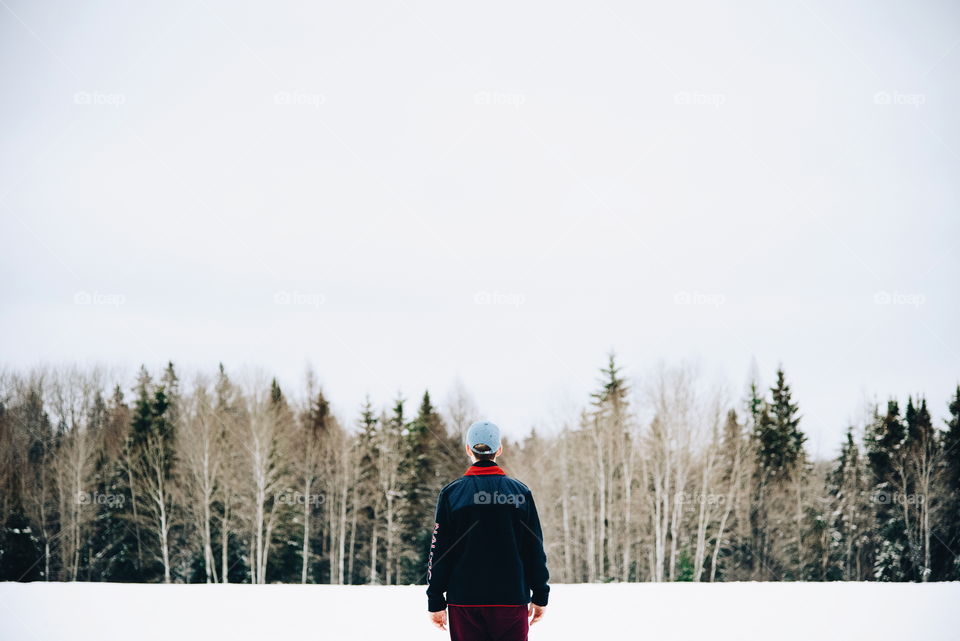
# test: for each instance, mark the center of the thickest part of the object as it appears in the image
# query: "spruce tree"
(847, 491)
(21, 558)
(152, 468)
(613, 386)
(884, 443)
(369, 496)
(312, 452)
(394, 475)
(779, 459)
(947, 543)
(779, 440)
(119, 548)
(425, 451)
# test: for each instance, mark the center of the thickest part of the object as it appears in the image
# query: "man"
(487, 565)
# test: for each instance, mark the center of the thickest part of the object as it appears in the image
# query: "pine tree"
(780, 459)
(779, 439)
(153, 470)
(21, 558)
(234, 564)
(118, 545)
(270, 476)
(947, 544)
(426, 449)
(884, 441)
(142, 420)
(369, 497)
(310, 444)
(847, 490)
(613, 386)
(393, 473)
(607, 425)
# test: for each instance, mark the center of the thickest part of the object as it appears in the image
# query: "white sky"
(788, 169)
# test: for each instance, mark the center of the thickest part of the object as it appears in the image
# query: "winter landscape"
(691, 267)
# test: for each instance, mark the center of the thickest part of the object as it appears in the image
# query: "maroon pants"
(488, 622)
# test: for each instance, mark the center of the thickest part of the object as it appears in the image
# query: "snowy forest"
(664, 479)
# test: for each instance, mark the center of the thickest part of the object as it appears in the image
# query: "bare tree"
(201, 458)
(264, 437)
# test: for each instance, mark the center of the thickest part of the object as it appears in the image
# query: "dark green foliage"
(885, 440)
(946, 550)
(779, 440)
(779, 457)
(21, 557)
(614, 388)
(684, 567)
(419, 485)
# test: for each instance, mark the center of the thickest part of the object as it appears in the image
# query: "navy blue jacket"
(487, 545)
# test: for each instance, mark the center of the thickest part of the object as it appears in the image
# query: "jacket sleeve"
(535, 559)
(439, 560)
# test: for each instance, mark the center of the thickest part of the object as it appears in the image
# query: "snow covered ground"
(664, 612)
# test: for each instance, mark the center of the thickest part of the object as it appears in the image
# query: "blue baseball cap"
(483, 432)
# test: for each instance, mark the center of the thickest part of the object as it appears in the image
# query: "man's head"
(483, 441)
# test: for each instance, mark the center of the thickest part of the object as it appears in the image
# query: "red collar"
(484, 470)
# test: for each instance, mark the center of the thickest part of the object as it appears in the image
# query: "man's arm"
(438, 564)
(535, 559)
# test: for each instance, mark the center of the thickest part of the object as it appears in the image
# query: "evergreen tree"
(142, 420)
(369, 496)
(312, 441)
(884, 443)
(152, 469)
(779, 459)
(425, 451)
(947, 548)
(607, 425)
(117, 536)
(37, 484)
(21, 558)
(234, 563)
(847, 490)
(613, 386)
(393, 474)
(779, 440)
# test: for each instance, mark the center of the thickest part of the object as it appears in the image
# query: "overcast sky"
(404, 193)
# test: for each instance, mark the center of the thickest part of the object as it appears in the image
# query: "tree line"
(218, 481)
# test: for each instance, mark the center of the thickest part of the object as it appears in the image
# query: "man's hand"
(536, 612)
(439, 619)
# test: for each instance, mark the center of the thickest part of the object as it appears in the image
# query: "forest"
(223, 479)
